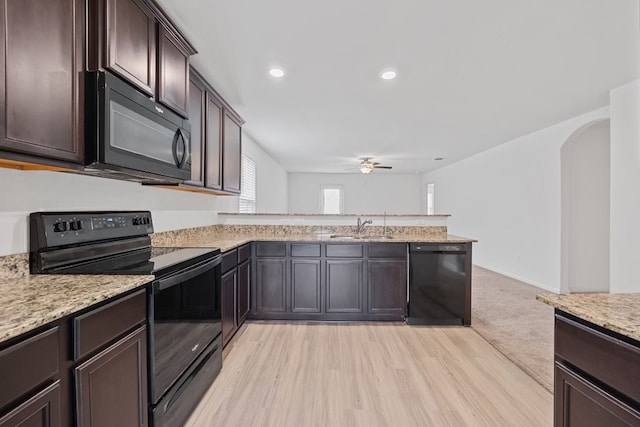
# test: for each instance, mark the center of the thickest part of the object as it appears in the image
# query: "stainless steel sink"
(355, 237)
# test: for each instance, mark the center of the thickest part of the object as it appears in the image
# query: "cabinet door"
(213, 150)
(344, 286)
(196, 117)
(271, 285)
(305, 286)
(228, 305)
(41, 86)
(42, 410)
(111, 387)
(244, 284)
(231, 154)
(131, 43)
(580, 403)
(173, 73)
(387, 286)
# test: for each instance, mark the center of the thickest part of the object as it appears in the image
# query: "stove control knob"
(60, 227)
(135, 221)
(75, 225)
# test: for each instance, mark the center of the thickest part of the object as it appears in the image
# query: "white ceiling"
(472, 74)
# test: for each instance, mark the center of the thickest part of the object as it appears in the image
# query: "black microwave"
(130, 136)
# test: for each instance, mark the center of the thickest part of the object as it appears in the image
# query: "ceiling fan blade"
(383, 167)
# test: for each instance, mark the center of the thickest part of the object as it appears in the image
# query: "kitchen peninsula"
(274, 267)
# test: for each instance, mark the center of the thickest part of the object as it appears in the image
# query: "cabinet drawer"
(344, 251)
(387, 250)
(271, 249)
(229, 260)
(28, 364)
(99, 327)
(244, 253)
(608, 359)
(305, 250)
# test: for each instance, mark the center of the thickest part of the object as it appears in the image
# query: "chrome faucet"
(361, 224)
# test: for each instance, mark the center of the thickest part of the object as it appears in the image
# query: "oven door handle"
(186, 274)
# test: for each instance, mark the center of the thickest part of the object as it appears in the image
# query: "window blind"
(247, 201)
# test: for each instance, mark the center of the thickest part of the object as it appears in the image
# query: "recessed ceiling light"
(276, 72)
(388, 74)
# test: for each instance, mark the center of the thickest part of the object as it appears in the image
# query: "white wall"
(272, 189)
(24, 192)
(625, 188)
(509, 199)
(585, 205)
(363, 194)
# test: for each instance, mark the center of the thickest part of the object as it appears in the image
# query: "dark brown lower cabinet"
(329, 281)
(344, 286)
(111, 387)
(42, 410)
(271, 285)
(236, 283)
(387, 286)
(228, 305)
(305, 286)
(596, 376)
(581, 403)
(244, 294)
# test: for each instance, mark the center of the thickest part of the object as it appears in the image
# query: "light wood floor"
(369, 375)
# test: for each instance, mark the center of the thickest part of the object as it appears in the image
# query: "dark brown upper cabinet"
(197, 99)
(130, 40)
(215, 139)
(41, 85)
(213, 163)
(173, 71)
(231, 153)
(136, 40)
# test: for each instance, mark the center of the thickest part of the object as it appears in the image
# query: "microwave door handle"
(180, 162)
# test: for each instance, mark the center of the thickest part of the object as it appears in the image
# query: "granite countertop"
(227, 242)
(30, 301)
(35, 300)
(617, 312)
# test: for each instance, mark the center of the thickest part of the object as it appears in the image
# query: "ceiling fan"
(367, 166)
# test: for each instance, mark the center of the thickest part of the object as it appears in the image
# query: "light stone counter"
(617, 312)
(34, 300)
(227, 241)
(29, 301)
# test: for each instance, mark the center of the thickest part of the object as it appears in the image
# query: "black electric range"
(184, 328)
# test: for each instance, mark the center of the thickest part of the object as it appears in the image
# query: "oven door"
(184, 318)
(129, 131)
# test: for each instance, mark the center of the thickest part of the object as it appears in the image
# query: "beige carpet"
(505, 312)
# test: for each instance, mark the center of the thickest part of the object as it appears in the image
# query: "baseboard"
(523, 279)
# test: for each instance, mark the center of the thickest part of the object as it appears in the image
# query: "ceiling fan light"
(366, 168)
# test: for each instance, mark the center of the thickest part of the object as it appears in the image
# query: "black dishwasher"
(439, 284)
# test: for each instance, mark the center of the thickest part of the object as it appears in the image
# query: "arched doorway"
(585, 189)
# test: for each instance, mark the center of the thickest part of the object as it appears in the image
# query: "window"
(247, 201)
(331, 199)
(430, 199)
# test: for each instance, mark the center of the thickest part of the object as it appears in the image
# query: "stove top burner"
(158, 261)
